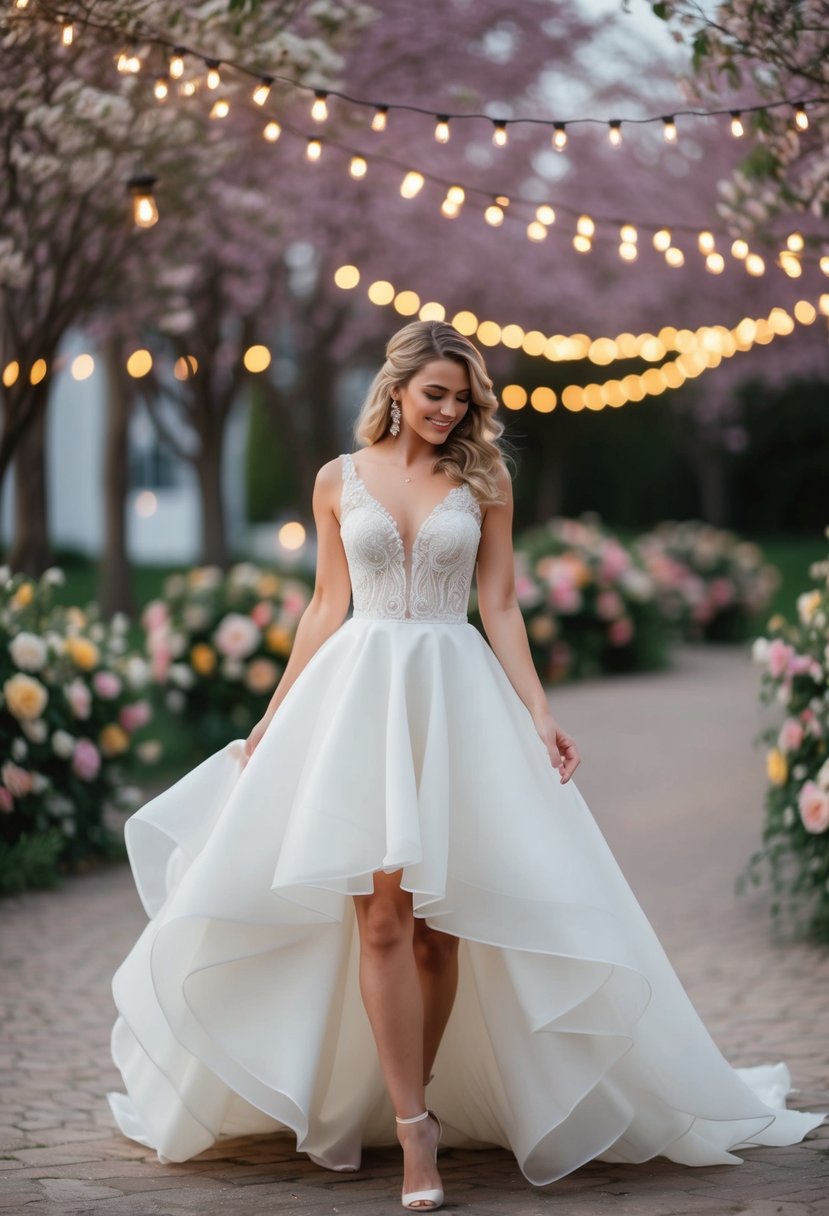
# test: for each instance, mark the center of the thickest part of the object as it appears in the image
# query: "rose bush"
(72, 707)
(218, 642)
(795, 853)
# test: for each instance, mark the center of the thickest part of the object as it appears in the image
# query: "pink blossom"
(615, 560)
(799, 665)
(17, 780)
(86, 760)
(565, 596)
(791, 735)
(814, 808)
(721, 592)
(261, 613)
(107, 684)
(155, 615)
(620, 632)
(161, 658)
(609, 605)
(134, 715)
(778, 657)
(79, 697)
(6, 800)
(237, 636)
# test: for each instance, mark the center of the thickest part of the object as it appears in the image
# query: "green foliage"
(30, 861)
(270, 477)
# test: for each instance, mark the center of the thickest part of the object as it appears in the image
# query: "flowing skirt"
(403, 745)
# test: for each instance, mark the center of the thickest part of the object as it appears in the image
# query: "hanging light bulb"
(456, 195)
(755, 264)
(582, 243)
(585, 226)
(220, 108)
(67, 32)
(739, 248)
(214, 78)
(790, 263)
(662, 240)
(614, 132)
(176, 64)
(536, 231)
(559, 136)
(737, 128)
(187, 88)
(705, 242)
(313, 149)
(674, 257)
(628, 251)
(358, 167)
(714, 263)
(442, 128)
(669, 129)
(412, 184)
(545, 214)
(494, 216)
(801, 118)
(262, 91)
(272, 132)
(21, 3)
(128, 61)
(161, 88)
(824, 265)
(379, 119)
(795, 242)
(144, 208)
(499, 135)
(319, 110)
(628, 234)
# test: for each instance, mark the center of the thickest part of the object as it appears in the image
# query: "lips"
(440, 426)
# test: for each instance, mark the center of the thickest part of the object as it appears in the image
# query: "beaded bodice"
(430, 584)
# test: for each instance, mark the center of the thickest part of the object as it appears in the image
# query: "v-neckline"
(385, 511)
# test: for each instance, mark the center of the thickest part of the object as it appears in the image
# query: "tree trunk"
(209, 470)
(30, 551)
(115, 591)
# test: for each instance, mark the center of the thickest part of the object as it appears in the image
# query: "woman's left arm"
(505, 629)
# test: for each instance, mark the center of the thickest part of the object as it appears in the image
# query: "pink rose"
(609, 605)
(261, 613)
(778, 657)
(237, 636)
(791, 735)
(814, 808)
(86, 760)
(6, 800)
(154, 615)
(138, 713)
(721, 592)
(564, 596)
(107, 684)
(79, 697)
(799, 665)
(160, 661)
(620, 632)
(615, 561)
(17, 780)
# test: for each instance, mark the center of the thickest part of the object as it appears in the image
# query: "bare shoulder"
(328, 483)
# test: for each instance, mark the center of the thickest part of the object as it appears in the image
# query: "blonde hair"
(472, 452)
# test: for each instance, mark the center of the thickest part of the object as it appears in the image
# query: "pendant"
(407, 479)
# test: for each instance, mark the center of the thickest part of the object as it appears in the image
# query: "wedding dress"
(403, 745)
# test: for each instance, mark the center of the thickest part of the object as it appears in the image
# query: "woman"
(390, 875)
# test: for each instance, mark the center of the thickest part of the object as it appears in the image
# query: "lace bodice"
(430, 584)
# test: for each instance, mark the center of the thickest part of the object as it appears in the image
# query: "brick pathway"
(671, 775)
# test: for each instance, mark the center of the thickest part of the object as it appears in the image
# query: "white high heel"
(433, 1197)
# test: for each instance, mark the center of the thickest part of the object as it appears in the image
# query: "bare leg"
(436, 955)
(393, 997)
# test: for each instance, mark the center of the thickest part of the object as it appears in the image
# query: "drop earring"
(395, 416)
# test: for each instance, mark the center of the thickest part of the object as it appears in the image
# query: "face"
(436, 399)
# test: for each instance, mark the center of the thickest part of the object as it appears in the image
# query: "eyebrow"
(445, 389)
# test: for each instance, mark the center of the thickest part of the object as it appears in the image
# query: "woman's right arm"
(328, 606)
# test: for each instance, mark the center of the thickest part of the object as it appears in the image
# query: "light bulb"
(614, 132)
(662, 239)
(628, 251)
(715, 263)
(585, 226)
(161, 89)
(494, 216)
(144, 209)
(319, 110)
(378, 121)
(795, 242)
(536, 231)
(739, 248)
(442, 129)
(220, 108)
(628, 234)
(755, 264)
(313, 149)
(801, 118)
(67, 33)
(669, 129)
(559, 136)
(456, 195)
(737, 128)
(545, 214)
(358, 167)
(262, 91)
(705, 242)
(582, 243)
(272, 132)
(214, 78)
(411, 184)
(824, 264)
(499, 135)
(176, 66)
(791, 264)
(674, 257)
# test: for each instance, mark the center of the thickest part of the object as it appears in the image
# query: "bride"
(395, 874)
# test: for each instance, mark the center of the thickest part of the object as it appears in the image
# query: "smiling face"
(436, 399)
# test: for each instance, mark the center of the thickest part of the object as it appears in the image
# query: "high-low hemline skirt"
(402, 745)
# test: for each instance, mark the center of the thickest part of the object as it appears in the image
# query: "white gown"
(402, 744)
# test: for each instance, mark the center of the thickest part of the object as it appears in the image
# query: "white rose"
(182, 675)
(63, 744)
(35, 729)
(174, 700)
(19, 749)
(55, 576)
(137, 672)
(40, 782)
(28, 651)
(760, 650)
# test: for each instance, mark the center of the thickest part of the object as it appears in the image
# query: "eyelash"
(429, 397)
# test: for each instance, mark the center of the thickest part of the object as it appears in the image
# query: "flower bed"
(588, 605)
(71, 719)
(708, 582)
(795, 852)
(218, 643)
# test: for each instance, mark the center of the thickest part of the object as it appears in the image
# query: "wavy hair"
(473, 449)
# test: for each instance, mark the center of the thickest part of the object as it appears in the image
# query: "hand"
(252, 741)
(561, 748)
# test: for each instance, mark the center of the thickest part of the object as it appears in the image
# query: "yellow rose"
(807, 605)
(278, 639)
(261, 675)
(580, 572)
(83, 653)
(268, 584)
(23, 595)
(76, 617)
(203, 658)
(25, 696)
(113, 740)
(776, 622)
(776, 767)
(542, 628)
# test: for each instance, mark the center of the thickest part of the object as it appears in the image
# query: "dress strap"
(348, 464)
